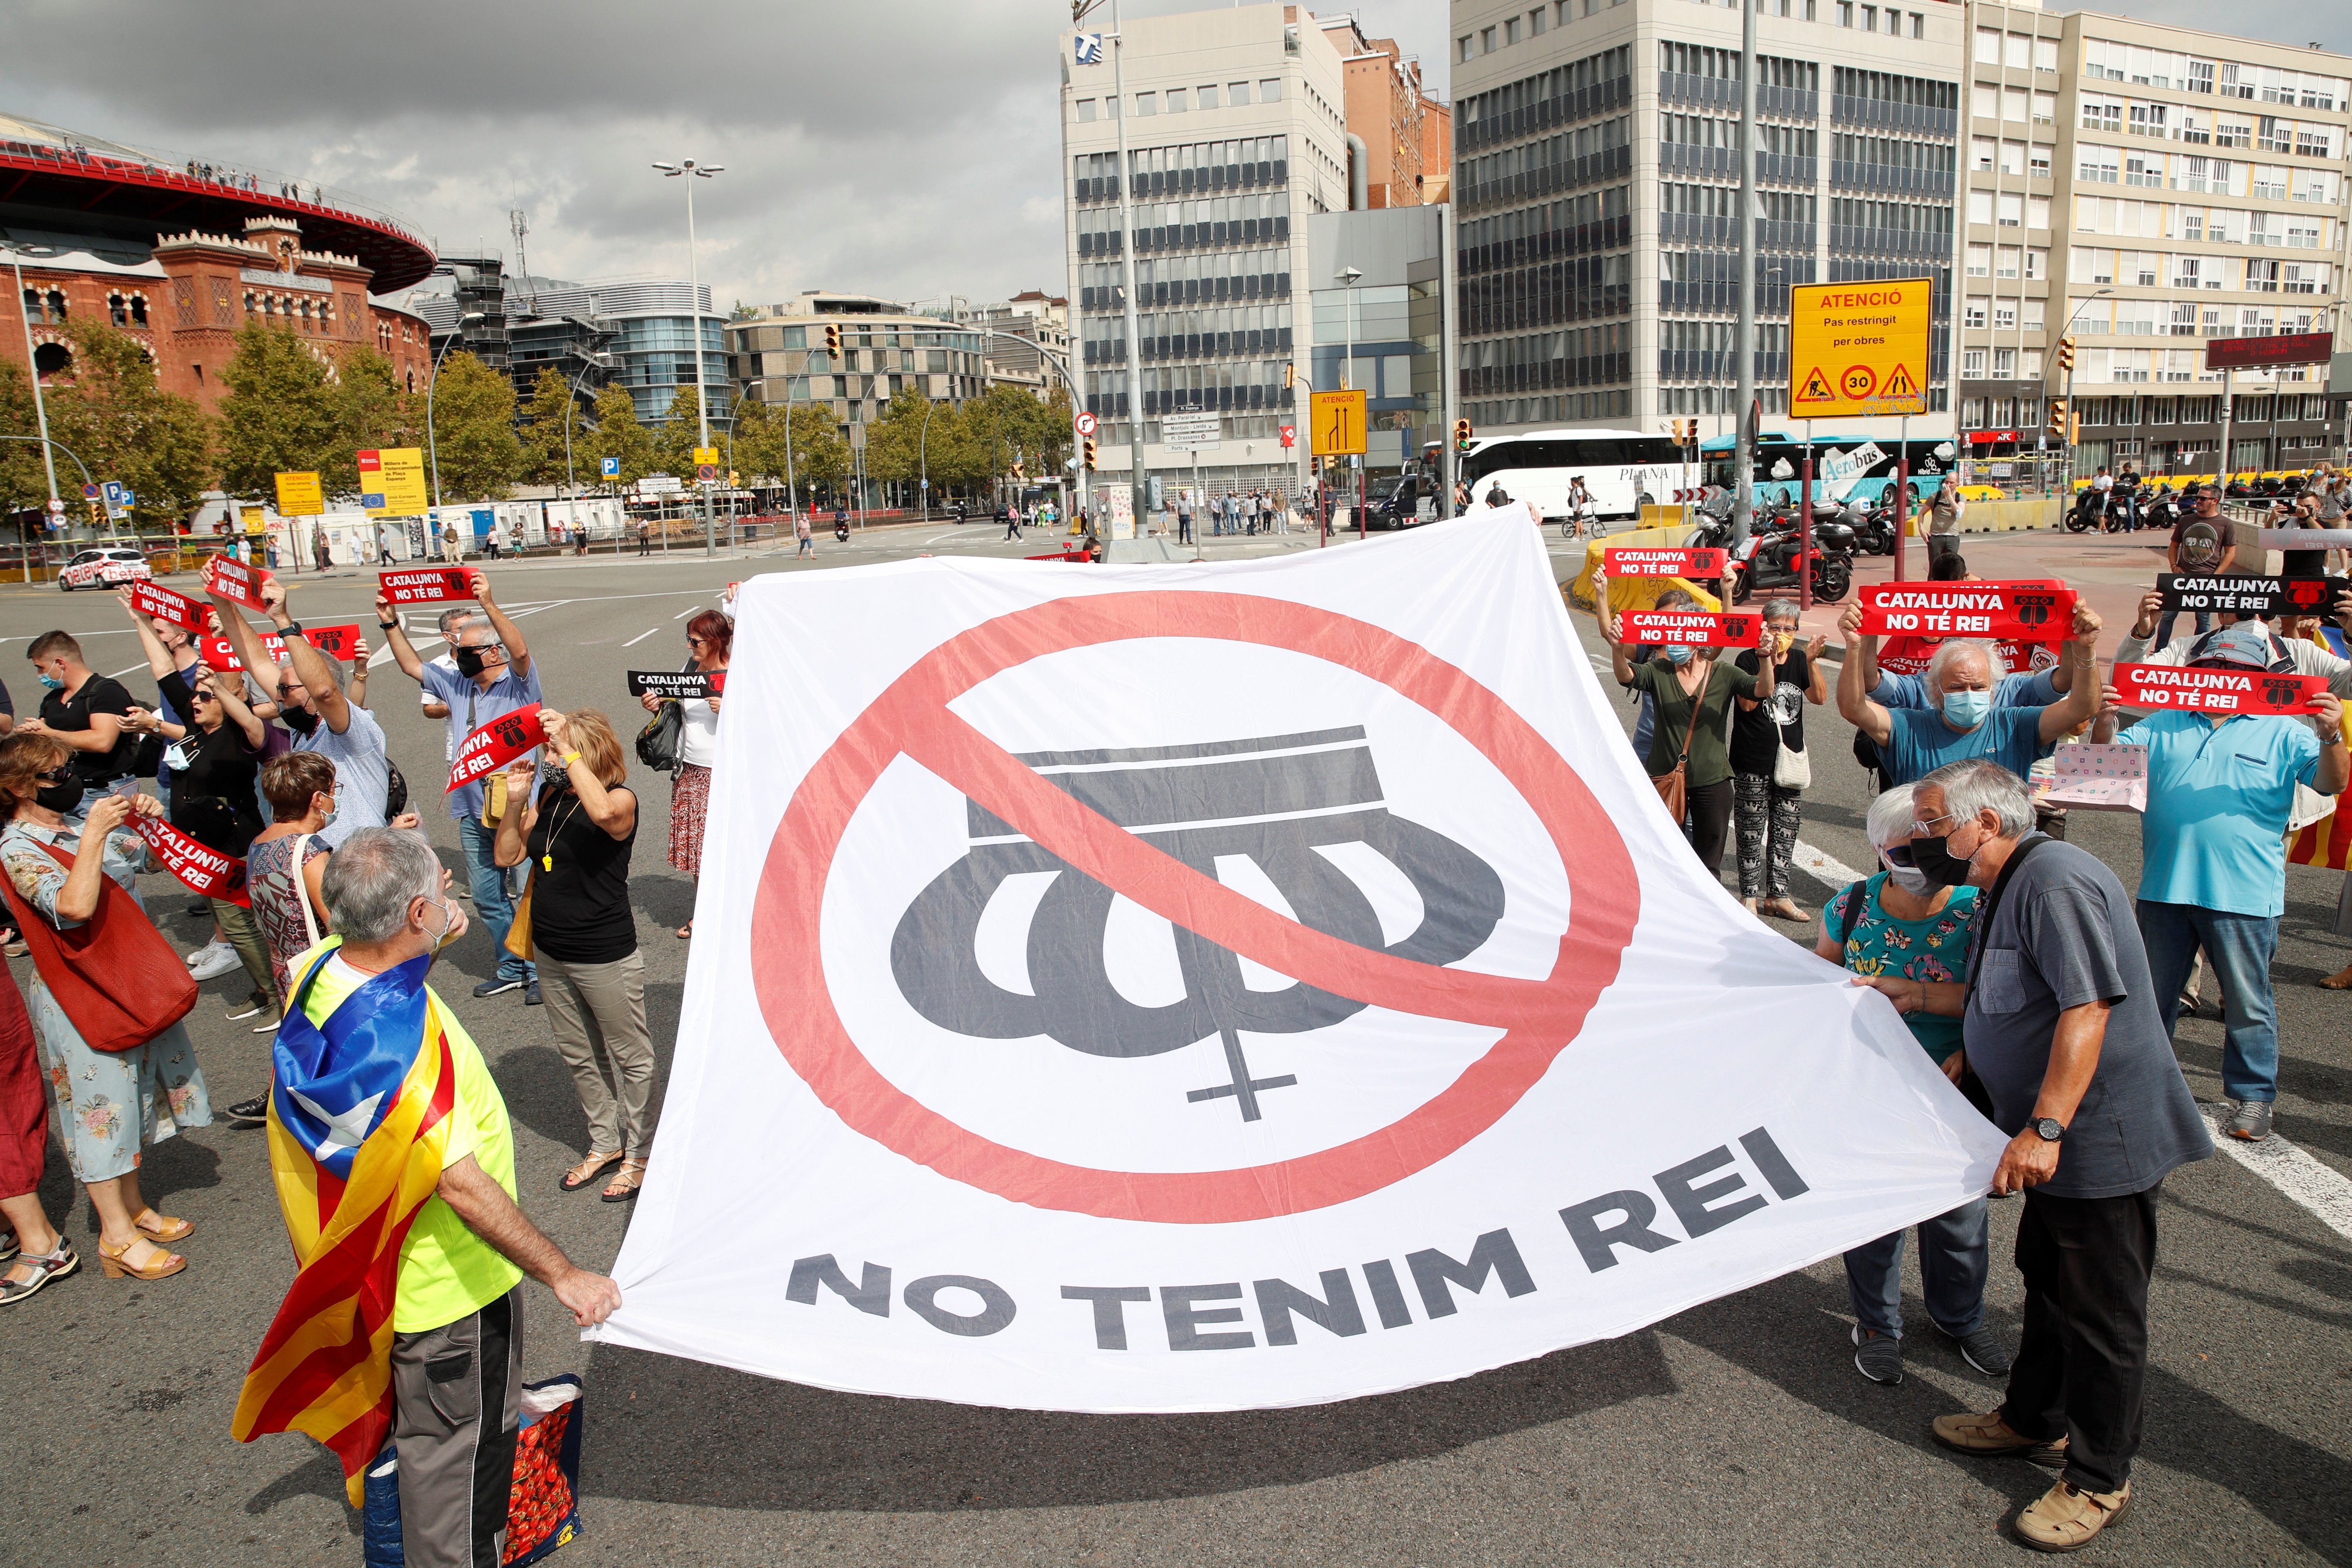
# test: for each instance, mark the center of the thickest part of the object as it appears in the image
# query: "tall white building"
(2158, 187)
(1236, 132)
(1596, 182)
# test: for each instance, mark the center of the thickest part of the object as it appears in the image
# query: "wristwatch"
(2050, 1128)
(291, 626)
(387, 625)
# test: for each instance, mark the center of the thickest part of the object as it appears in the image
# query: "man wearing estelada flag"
(394, 1166)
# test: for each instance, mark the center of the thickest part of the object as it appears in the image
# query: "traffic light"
(1462, 434)
(1017, 471)
(2058, 420)
(2066, 353)
(1090, 452)
(833, 340)
(1289, 376)
(1686, 432)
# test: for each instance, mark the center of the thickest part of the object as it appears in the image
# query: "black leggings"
(1710, 822)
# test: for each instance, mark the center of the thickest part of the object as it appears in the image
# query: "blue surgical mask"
(1967, 708)
(1675, 655)
(52, 683)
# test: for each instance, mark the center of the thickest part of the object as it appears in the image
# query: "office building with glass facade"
(641, 330)
(777, 355)
(1596, 182)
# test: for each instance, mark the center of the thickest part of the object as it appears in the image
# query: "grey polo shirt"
(2063, 933)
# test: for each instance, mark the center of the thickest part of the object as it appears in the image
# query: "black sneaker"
(1878, 1357)
(251, 1112)
(1982, 1351)
(497, 984)
(530, 997)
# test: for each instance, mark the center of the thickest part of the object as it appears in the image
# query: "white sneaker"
(214, 962)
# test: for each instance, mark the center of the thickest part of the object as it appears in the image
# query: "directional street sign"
(1859, 348)
(1190, 431)
(1339, 423)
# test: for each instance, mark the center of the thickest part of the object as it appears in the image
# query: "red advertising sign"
(426, 584)
(2158, 686)
(335, 642)
(1991, 437)
(1693, 628)
(2032, 612)
(2254, 354)
(496, 744)
(234, 582)
(1636, 560)
(160, 603)
(208, 871)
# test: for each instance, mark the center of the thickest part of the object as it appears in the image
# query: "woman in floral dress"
(108, 1103)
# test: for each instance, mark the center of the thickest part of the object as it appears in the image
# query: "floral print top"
(1934, 948)
(37, 876)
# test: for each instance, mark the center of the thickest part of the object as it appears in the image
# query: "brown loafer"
(1988, 1437)
(2067, 1519)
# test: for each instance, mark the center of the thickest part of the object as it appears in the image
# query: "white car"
(103, 568)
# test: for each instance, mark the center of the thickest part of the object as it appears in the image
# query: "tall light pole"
(17, 255)
(431, 385)
(1743, 471)
(1346, 277)
(570, 485)
(923, 455)
(690, 171)
(1138, 481)
(2070, 400)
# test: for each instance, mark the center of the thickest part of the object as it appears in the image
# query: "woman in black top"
(577, 837)
(214, 764)
(1767, 812)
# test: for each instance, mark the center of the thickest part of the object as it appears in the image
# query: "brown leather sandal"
(625, 1181)
(163, 1266)
(164, 1227)
(588, 1170)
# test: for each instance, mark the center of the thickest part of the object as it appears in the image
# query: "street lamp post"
(691, 171)
(431, 385)
(1346, 277)
(17, 255)
(2072, 418)
(923, 456)
(571, 485)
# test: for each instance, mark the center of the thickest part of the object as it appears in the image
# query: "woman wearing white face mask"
(1903, 933)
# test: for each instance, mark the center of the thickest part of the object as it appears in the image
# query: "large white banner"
(1127, 988)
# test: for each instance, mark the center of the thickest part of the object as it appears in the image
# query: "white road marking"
(121, 673)
(2311, 1183)
(1824, 868)
(685, 611)
(641, 636)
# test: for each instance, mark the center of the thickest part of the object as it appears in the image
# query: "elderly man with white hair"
(2062, 1027)
(1963, 720)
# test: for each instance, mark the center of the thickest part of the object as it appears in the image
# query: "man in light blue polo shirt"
(1963, 720)
(494, 675)
(2214, 854)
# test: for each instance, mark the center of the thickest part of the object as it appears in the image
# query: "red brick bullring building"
(183, 256)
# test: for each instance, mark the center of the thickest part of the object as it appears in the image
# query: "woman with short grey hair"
(1769, 766)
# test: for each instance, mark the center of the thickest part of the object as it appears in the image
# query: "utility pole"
(1449, 334)
(1743, 474)
(1137, 483)
(692, 171)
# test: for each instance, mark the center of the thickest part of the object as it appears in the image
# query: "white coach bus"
(1624, 470)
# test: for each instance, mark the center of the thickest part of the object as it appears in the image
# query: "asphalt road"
(1737, 1432)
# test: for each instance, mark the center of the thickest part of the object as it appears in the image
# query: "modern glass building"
(643, 328)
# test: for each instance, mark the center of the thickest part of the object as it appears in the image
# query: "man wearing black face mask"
(2062, 1027)
(494, 677)
(308, 687)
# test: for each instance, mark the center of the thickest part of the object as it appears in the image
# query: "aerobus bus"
(1844, 467)
(1623, 470)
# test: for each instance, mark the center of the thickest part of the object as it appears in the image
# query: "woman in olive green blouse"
(1677, 679)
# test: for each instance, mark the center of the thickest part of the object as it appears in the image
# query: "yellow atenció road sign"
(1339, 423)
(299, 495)
(1858, 348)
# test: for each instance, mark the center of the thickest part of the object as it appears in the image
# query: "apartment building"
(1388, 108)
(1236, 132)
(777, 355)
(2156, 187)
(1596, 182)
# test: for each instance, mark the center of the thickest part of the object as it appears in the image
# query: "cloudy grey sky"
(907, 149)
(910, 151)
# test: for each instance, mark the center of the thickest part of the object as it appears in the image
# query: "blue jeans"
(1954, 1256)
(2239, 947)
(493, 895)
(2164, 627)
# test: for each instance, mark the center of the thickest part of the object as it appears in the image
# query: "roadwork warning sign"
(1859, 348)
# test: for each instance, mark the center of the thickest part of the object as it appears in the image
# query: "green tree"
(371, 412)
(23, 483)
(680, 432)
(110, 411)
(282, 413)
(895, 441)
(474, 441)
(551, 414)
(618, 433)
(817, 454)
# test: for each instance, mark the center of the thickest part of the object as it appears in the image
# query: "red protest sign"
(160, 603)
(1636, 560)
(426, 584)
(1909, 656)
(335, 642)
(496, 744)
(234, 582)
(2158, 686)
(1693, 628)
(207, 871)
(2026, 612)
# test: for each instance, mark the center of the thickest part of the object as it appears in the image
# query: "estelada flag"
(359, 1120)
(2326, 843)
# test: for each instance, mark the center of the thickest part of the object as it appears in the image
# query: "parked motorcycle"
(1777, 557)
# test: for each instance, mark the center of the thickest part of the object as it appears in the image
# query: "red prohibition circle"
(912, 717)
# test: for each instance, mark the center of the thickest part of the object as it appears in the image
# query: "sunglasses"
(202, 695)
(1897, 853)
(287, 690)
(57, 775)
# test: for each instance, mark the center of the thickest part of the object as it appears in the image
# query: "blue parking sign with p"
(612, 467)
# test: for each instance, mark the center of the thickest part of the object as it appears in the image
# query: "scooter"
(1774, 559)
(841, 529)
(1874, 528)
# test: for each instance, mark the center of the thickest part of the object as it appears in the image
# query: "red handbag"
(117, 980)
